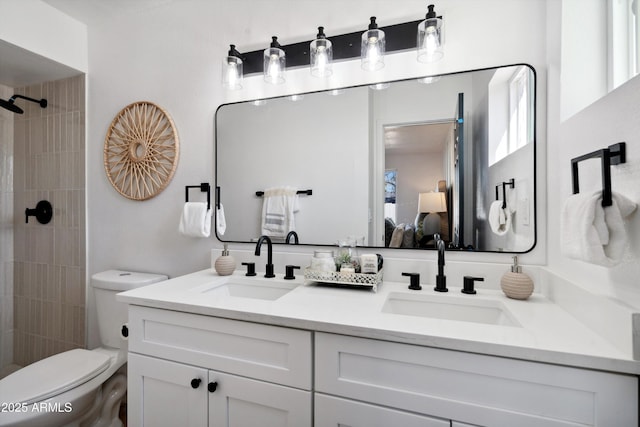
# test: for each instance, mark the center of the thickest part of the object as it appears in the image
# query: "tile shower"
(43, 271)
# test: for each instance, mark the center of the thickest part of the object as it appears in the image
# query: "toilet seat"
(52, 376)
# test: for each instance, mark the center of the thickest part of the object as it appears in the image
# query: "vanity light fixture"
(274, 63)
(321, 55)
(372, 47)
(430, 37)
(318, 54)
(232, 70)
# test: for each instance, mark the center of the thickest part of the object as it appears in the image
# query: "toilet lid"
(52, 376)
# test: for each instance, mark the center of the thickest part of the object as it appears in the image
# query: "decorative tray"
(350, 280)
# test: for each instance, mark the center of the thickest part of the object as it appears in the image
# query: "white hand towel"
(592, 233)
(278, 207)
(221, 221)
(196, 220)
(499, 218)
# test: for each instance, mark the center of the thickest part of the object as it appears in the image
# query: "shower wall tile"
(7, 273)
(49, 273)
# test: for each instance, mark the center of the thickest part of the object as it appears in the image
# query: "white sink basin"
(471, 309)
(264, 289)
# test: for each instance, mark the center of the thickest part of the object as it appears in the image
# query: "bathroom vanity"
(228, 351)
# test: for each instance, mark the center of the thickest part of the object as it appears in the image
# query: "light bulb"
(232, 70)
(274, 63)
(430, 38)
(321, 55)
(372, 47)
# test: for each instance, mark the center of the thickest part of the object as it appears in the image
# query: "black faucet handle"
(289, 271)
(468, 284)
(251, 268)
(414, 281)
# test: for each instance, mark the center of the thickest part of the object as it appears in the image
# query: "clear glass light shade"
(430, 40)
(274, 65)
(321, 57)
(232, 73)
(372, 50)
(428, 80)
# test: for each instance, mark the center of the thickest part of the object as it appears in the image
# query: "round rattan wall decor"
(141, 150)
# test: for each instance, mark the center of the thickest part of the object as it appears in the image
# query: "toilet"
(78, 387)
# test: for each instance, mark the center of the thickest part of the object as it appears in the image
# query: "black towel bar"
(203, 187)
(307, 192)
(511, 183)
(613, 155)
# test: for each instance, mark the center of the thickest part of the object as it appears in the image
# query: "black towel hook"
(615, 154)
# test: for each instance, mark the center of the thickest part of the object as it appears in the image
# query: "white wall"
(611, 119)
(39, 28)
(171, 55)
(157, 57)
(416, 174)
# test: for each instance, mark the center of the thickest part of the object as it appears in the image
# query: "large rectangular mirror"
(390, 164)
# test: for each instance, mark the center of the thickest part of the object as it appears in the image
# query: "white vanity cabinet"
(272, 376)
(471, 389)
(192, 370)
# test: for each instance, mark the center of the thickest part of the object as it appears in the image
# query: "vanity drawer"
(335, 412)
(472, 388)
(270, 353)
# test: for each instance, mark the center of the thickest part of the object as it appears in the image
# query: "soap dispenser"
(515, 284)
(225, 264)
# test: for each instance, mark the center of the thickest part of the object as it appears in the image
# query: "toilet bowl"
(78, 387)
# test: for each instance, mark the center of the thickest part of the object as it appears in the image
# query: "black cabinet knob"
(124, 331)
(468, 284)
(195, 383)
(213, 386)
(414, 281)
(289, 271)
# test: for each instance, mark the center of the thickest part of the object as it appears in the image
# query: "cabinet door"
(161, 393)
(335, 412)
(243, 402)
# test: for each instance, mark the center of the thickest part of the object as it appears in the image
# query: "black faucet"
(441, 279)
(295, 238)
(269, 267)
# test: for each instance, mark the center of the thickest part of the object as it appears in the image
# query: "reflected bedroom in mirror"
(395, 163)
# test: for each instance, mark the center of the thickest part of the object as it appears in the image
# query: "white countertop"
(546, 333)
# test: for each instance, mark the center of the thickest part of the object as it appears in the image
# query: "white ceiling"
(97, 12)
(19, 67)
(422, 138)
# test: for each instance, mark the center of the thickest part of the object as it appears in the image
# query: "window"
(519, 121)
(510, 112)
(390, 187)
(623, 33)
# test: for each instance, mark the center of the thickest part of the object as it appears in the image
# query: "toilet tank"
(112, 315)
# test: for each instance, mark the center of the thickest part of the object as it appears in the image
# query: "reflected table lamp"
(431, 203)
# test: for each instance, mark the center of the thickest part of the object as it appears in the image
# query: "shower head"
(11, 106)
